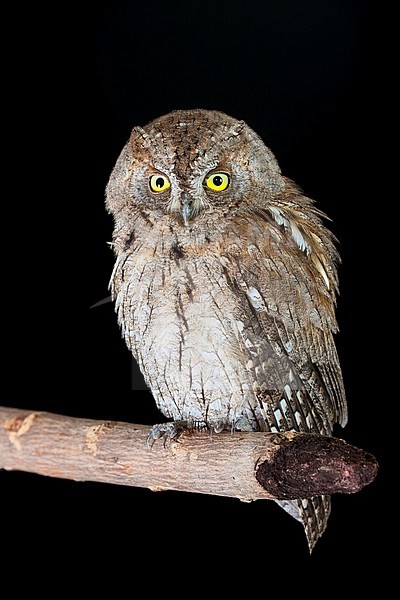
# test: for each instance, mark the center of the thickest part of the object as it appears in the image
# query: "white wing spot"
(278, 417)
(287, 389)
(240, 326)
(224, 261)
(288, 346)
(255, 299)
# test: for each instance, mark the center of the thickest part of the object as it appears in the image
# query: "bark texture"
(249, 466)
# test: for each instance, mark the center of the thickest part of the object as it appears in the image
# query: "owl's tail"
(313, 513)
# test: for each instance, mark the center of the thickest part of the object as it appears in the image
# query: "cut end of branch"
(310, 465)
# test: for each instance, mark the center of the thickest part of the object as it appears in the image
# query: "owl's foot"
(242, 424)
(171, 431)
(168, 431)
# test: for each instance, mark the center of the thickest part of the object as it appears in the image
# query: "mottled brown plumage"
(226, 294)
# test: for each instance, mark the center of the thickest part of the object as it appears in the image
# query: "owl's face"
(191, 163)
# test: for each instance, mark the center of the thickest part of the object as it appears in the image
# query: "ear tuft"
(139, 138)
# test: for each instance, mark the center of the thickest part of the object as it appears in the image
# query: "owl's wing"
(287, 310)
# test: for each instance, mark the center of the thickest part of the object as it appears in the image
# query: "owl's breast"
(183, 323)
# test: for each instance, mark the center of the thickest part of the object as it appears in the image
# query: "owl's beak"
(186, 212)
(186, 208)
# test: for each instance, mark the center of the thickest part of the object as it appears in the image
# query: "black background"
(297, 72)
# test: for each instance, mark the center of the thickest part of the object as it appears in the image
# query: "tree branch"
(248, 466)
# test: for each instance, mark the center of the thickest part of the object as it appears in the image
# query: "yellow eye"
(218, 181)
(159, 183)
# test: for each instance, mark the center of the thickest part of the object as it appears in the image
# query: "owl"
(224, 284)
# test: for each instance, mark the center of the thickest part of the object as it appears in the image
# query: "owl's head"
(191, 162)
(193, 171)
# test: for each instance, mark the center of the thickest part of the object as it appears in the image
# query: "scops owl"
(225, 281)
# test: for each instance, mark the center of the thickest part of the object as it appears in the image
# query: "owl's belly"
(184, 328)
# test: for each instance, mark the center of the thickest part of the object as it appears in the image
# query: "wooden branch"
(248, 466)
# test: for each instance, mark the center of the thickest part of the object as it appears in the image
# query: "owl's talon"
(171, 431)
(242, 424)
(168, 431)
